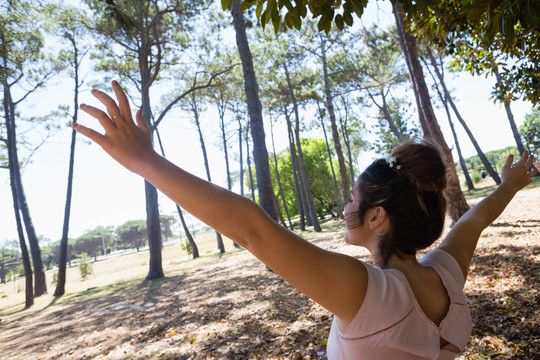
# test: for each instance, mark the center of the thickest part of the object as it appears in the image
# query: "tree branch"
(36, 86)
(16, 80)
(193, 88)
(27, 160)
(308, 50)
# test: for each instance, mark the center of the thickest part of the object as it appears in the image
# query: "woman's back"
(392, 323)
(429, 291)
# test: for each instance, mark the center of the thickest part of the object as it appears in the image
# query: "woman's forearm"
(231, 214)
(491, 207)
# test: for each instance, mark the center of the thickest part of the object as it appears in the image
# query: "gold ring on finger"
(115, 116)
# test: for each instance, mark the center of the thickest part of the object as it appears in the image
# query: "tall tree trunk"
(61, 280)
(154, 232)
(468, 180)
(444, 100)
(457, 205)
(345, 187)
(330, 160)
(294, 163)
(153, 224)
(346, 141)
(260, 153)
(13, 165)
(448, 98)
(29, 291)
(388, 117)
(308, 197)
(250, 172)
(510, 115)
(40, 284)
(241, 155)
(278, 179)
(195, 110)
(3, 269)
(192, 244)
(408, 46)
(221, 111)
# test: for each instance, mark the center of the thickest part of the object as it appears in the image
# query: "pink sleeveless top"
(391, 325)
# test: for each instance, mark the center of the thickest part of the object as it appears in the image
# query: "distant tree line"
(100, 241)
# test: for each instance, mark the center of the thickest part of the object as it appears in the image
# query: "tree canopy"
(481, 34)
(530, 130)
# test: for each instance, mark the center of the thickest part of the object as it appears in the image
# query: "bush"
(186, 246)
(476, 176)
(85, 267)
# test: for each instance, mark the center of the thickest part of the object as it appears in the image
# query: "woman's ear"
(376, 216)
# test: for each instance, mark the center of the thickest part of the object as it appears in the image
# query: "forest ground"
(232, 307)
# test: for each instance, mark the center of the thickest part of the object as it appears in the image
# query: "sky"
(105, 193)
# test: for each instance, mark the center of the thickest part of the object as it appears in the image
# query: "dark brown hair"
(409, 187)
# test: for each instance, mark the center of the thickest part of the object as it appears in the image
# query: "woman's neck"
(404, 263)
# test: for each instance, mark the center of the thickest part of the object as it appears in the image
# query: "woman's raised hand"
(128, 142)
(518, 175)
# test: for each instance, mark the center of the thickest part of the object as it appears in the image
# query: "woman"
(400, 309)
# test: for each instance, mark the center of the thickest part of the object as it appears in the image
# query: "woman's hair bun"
(422, 164)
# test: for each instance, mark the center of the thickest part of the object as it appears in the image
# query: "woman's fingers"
(89, 133)
(141, 123)
(123, 102)
(100, 115)
(532, 171)
(529, 163)
(526, 162)
(523, 159)
(110, 104)
(509, 161)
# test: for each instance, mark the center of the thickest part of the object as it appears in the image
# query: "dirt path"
(236, 309)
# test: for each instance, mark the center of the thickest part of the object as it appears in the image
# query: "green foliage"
(319, 177)
(291, 12)
(138, 37)
(10, 259)
(167, 222)
(85, 267)
(482, 35)
(21, 44)
(497, 158)
(501, 19)
(186, 246)
(486, 37)
(397, 112)
(530, 130)
(476, 176)
(92, 241)
(132, 233)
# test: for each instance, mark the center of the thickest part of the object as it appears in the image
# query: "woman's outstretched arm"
(337, 282)
(462, 239)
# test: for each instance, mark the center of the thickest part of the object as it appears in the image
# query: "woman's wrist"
(147, 164)
(509, 188)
